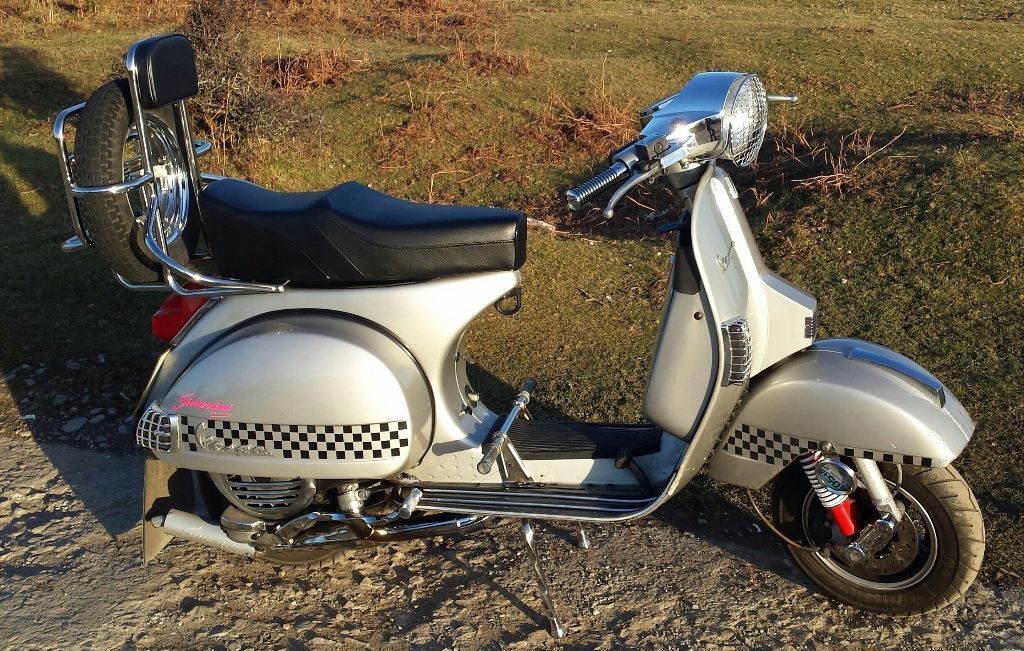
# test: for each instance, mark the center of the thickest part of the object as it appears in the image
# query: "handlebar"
(579, 195)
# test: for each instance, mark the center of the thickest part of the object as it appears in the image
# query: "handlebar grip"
(579, 195)
(529, 386)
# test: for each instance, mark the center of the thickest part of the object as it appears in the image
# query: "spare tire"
(107, 152)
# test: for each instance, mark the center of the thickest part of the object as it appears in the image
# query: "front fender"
(864, 399)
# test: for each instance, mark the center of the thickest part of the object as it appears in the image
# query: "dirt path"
(70, 576)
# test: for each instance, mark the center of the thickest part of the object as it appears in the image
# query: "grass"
(917, 245)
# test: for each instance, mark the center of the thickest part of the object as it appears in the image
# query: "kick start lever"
(499, 440)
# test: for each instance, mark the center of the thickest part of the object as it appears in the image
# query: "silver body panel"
(427, 318)
(876, 406)
(289, 394)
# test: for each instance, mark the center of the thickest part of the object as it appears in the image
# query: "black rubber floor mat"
(538, 439)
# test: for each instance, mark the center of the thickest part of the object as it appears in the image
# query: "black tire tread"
(971, 550)
(99, 160)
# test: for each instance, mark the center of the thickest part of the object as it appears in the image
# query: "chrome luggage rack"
(175, 274)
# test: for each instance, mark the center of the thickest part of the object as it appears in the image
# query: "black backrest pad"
(167, 70)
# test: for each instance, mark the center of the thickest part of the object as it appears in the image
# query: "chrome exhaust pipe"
(189, 526)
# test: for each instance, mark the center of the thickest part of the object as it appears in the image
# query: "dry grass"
(49, 14)
(991, 113)
(595, 123)
(304, 72)
(420, 21)
(795, 158)
(397, 147)
(491, 60)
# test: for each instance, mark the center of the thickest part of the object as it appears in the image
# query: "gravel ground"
(71, 576)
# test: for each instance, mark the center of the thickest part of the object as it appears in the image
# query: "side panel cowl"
(864, 399)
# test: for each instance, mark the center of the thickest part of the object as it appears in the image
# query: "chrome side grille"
(157, 430)
(266, 497)
(738, 354)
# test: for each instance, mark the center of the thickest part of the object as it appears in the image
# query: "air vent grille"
(266, 497)
(738, 353)
(156, 430)
(811, 326)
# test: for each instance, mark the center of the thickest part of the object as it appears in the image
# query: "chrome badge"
(727, 260)
(209, 441)
(836, 476)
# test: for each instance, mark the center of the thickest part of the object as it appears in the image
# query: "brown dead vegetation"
(793, 157)
(491, 59)
(992, 113)
(236, 107)
(46, 15)
(420, 21)
(304, 72)
(594, 124)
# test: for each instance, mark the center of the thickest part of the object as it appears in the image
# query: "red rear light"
(174, 314)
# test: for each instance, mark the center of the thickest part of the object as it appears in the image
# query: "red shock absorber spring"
(838, 505)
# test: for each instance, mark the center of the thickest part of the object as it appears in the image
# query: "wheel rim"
(886, 571)
(173, 186)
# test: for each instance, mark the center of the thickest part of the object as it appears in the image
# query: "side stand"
(554, 626)
(582, 540)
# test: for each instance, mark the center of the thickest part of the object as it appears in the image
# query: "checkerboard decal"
(369, 442)
(776, 448)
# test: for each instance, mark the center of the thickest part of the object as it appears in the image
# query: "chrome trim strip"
(532, 504)
(200, 313)
(926, 381)
(533, 494)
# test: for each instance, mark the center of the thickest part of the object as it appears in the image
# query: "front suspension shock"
(838, 505)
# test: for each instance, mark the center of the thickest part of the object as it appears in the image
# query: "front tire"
(931, 562)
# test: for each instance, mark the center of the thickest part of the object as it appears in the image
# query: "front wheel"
(933, 558)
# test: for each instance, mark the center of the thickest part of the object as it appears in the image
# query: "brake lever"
(636, 179)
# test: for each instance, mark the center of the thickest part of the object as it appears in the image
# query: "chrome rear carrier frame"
(176, 276)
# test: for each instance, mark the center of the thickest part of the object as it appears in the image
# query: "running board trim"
(539, 504)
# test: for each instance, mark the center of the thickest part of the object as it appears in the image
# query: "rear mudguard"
(864, 399)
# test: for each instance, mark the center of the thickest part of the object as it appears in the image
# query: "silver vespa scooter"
(315, 381)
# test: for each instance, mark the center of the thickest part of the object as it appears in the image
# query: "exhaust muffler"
(191, 527)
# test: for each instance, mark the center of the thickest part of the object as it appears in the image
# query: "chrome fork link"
(554, 626)
(876, 486)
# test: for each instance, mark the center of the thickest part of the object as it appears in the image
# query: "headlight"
(715, 115)
(746, 119)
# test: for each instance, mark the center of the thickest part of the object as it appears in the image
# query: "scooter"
(315, 381)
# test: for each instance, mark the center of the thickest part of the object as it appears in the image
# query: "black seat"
(352, 235)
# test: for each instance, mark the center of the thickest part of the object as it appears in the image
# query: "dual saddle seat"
(352, 235)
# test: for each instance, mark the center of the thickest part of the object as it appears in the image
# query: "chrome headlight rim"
(746, 120)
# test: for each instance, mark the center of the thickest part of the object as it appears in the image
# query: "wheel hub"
(894, 557)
